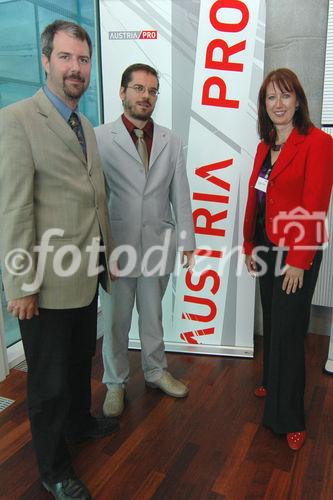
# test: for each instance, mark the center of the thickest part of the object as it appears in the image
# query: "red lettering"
(221, 100)
(218, 198)
(229, 4)
(209, 273)
(189, 336)
(200, 317)
(205, 170)
(224, 63)
(148, 35)
(216, 254)
(210, 219)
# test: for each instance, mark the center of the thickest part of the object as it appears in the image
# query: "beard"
(74, 91)
(138, 114)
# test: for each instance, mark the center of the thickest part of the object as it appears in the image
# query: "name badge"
(261, 184)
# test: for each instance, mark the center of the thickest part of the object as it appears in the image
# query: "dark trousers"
(285, 324)
(59, 345)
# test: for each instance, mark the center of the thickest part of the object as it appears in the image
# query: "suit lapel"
(124, 140)
(160, 140)
(259, 159)
(57, 124)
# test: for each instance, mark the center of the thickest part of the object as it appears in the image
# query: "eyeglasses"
(140, 89)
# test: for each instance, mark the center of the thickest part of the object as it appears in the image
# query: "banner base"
(213, 350)
(329, 366)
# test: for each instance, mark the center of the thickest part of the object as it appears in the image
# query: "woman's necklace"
(283, 134)
(277, 147)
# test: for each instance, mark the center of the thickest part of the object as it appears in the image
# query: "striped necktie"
(142, 148)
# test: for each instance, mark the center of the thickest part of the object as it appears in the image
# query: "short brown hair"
(72, 29)
(287, 81)
(127, 75)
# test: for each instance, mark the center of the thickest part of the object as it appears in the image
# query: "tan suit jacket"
(45, 183)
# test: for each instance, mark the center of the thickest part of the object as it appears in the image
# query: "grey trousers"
(117, 315)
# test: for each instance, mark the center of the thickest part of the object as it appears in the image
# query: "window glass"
(9, 91)
(68, 8)
(18, 44)
(87, 9)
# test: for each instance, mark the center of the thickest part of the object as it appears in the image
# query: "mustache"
(146, 101)
(74, 76)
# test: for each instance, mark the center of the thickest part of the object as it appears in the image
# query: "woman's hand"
(293, 279)
(250, 264)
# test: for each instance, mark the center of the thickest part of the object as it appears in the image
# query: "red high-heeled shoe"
(296, 440)
(260, 392)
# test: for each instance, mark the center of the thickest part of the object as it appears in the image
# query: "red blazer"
(297, 197)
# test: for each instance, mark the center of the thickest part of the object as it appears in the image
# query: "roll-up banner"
(209, 55)
(329, 362)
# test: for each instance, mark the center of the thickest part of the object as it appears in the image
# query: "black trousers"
(285, 324)
(59, 345)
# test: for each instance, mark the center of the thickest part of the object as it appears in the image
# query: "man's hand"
(114, 270)
(251, 265)
(24, 307)
(190, 260)
(293, 279)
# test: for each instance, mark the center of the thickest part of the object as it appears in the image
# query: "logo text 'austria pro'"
(133, 35)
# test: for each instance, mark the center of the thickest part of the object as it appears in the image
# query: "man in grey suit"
(53, 213)
(150, 214)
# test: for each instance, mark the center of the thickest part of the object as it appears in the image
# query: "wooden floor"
(209, 446)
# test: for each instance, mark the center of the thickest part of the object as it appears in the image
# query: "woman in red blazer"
(284, 229)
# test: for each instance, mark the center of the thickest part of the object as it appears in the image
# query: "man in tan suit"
(53, 215)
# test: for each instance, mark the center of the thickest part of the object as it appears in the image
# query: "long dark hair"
(287, 81)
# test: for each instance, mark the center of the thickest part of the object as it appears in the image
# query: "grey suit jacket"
(45, 183)
(151, 213)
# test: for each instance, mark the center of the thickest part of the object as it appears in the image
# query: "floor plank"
(208, 446)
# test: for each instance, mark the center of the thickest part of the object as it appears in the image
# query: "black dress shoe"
(101, 427)
(68, 488)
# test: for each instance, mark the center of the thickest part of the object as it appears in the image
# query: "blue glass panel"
(64, 7)
(10, 91)
(18, 43)
(87, 9)
(89, 103)
(46, 16)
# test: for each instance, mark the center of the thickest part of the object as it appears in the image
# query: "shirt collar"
(60, 106)
(148, 128)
